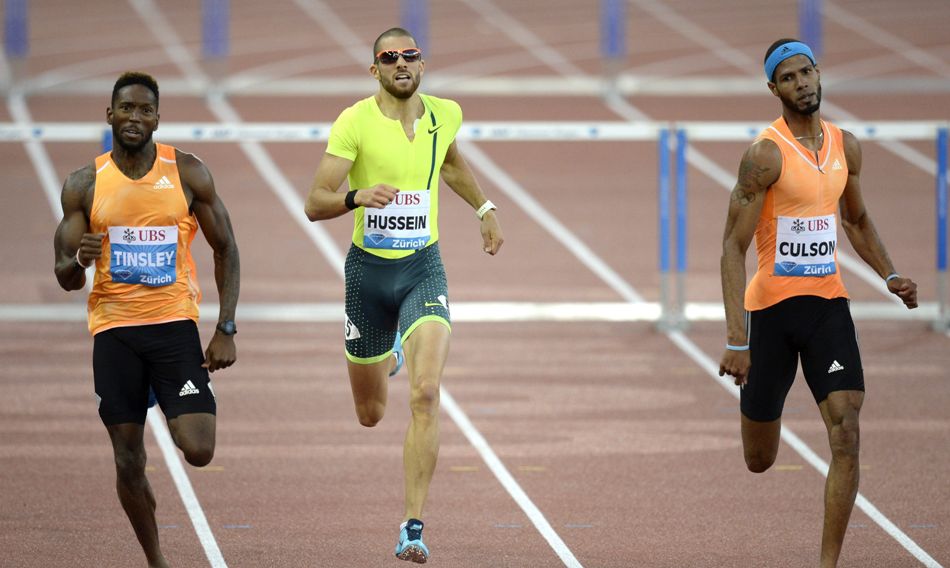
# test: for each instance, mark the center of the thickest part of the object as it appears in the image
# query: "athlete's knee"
(129, 463)
(845, 438)
(197, 452)
(369, 414)
(424, 398)
(758, 462)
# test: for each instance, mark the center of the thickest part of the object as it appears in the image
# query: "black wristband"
(350, 199)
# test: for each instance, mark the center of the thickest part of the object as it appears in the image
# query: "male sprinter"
(792, 182)
(133, 214)
(392, 147)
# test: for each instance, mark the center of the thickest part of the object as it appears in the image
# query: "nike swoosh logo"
(432, 130)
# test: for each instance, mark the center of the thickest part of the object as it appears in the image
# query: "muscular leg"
(370, 386)
(194, 436)
(840, 413)
(426, 352)
(760, 443)
(135, 493)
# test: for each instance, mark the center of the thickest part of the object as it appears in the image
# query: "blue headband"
(782, 53)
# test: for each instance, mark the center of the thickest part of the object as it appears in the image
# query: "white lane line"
(534, 209)
(788, 436)
(508, 481)
(185, 490)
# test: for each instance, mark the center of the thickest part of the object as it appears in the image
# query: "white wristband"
(891, 276)
(737, 347)
(485, 208)
(79, 262)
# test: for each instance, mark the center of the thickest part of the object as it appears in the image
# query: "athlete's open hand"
(376, 197)
(905, 289)
(221, 352)
(735, 363)
(90, 248)
(491, 233)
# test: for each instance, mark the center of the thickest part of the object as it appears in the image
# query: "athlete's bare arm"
(860, 229)
(458, 176)
(72, 239)
(760, 167)
(324, 201)
(215, 224)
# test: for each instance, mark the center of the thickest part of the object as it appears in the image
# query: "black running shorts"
(167, 357)
(818, 330)
(384, 294)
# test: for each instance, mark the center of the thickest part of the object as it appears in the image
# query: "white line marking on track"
(507, 480)
(536, 210)
(185, 489)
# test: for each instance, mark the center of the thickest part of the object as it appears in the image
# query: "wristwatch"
(227, 327)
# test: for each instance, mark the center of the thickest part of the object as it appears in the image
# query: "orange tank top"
(796, 236)
(146, 274)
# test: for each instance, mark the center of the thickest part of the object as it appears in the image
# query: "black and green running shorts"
(383, 295)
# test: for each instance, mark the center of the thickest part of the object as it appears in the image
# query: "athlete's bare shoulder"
(761, 165)
(852, 151)
(195, 176)
(80, 186)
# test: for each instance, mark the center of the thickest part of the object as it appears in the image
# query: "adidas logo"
(189, 388)
(836, 165)
(164, 183)
(835, 366)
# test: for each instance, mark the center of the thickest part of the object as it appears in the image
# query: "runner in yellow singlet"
(133, 214)
(393, 148)
(797, 182)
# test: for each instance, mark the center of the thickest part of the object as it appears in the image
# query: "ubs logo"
(128, 236)
(407, 198)
(798, 226)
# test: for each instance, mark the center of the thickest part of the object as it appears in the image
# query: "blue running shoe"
(152, 401)
(410, 546)
(400, 356)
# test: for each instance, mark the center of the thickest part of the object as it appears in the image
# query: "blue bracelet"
(737, 347)
(891, 276)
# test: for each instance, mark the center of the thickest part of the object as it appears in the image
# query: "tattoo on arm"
(750, 176)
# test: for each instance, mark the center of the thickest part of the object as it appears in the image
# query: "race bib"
(401, 225)
(805, 246)
(143, 255)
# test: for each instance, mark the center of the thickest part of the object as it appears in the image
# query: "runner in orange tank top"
(797, 182)
(133, 214)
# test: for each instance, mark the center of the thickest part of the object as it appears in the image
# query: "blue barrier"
(663, 149)
(106, 140)
(809, 25)
(613, 27)
(681, 208)
(16, 30)
(415, 19)
(942, 199)
(215, 28)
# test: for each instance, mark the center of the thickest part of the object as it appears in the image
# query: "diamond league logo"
(376, 238)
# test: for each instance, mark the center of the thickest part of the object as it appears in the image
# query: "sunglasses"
(391, 56)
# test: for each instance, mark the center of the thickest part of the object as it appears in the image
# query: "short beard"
(399, 94)
(131, 148)
(812, 109)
